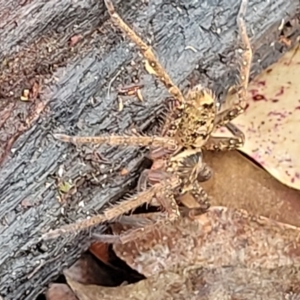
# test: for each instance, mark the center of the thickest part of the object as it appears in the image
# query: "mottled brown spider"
(186, 133)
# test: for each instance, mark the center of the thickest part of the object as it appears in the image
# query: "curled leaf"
(270, 122)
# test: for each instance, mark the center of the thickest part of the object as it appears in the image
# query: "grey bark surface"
(195, 41)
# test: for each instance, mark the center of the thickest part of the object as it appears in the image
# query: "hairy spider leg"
(147, 53)
(161, 190)
(224, 117)
(244, 72)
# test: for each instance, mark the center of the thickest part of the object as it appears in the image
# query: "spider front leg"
(154, 141)
(224, 117)
(245, 65)
(226, 143)
(147, 52)
(152, 60)
(168, 143)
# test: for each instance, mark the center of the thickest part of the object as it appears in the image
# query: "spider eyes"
(207, 106)
(202, 123)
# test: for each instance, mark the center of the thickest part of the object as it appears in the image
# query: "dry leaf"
(88, 271)
(100, 250)
(269, 251)
(271, 120)
(35, 90)
(161, 286)
(220, 237)
(59, 291)
(202, 284)
(238, 183)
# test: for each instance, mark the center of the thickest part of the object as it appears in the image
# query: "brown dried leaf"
(244, 240)
(162, 286)
(35, 90)
(60, 291)
(270, 122)
(202, 284)
(238, 183)
(100, 250)
(87, 270)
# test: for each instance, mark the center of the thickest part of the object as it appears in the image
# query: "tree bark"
(72, 60)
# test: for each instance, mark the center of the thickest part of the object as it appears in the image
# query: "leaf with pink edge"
(271, 120)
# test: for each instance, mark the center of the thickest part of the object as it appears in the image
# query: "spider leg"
(162, 191)
(123, 238)
(165, 196)
(138, 226)
(191, 169)
(200, 195)
(152, 176)
(226, 143)
(147, 52)
(159, 153)
(194, 171)
(167, 200)
(195, 200)
(143, 181)
(121, 140)
(229, 114)
(189, 164)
